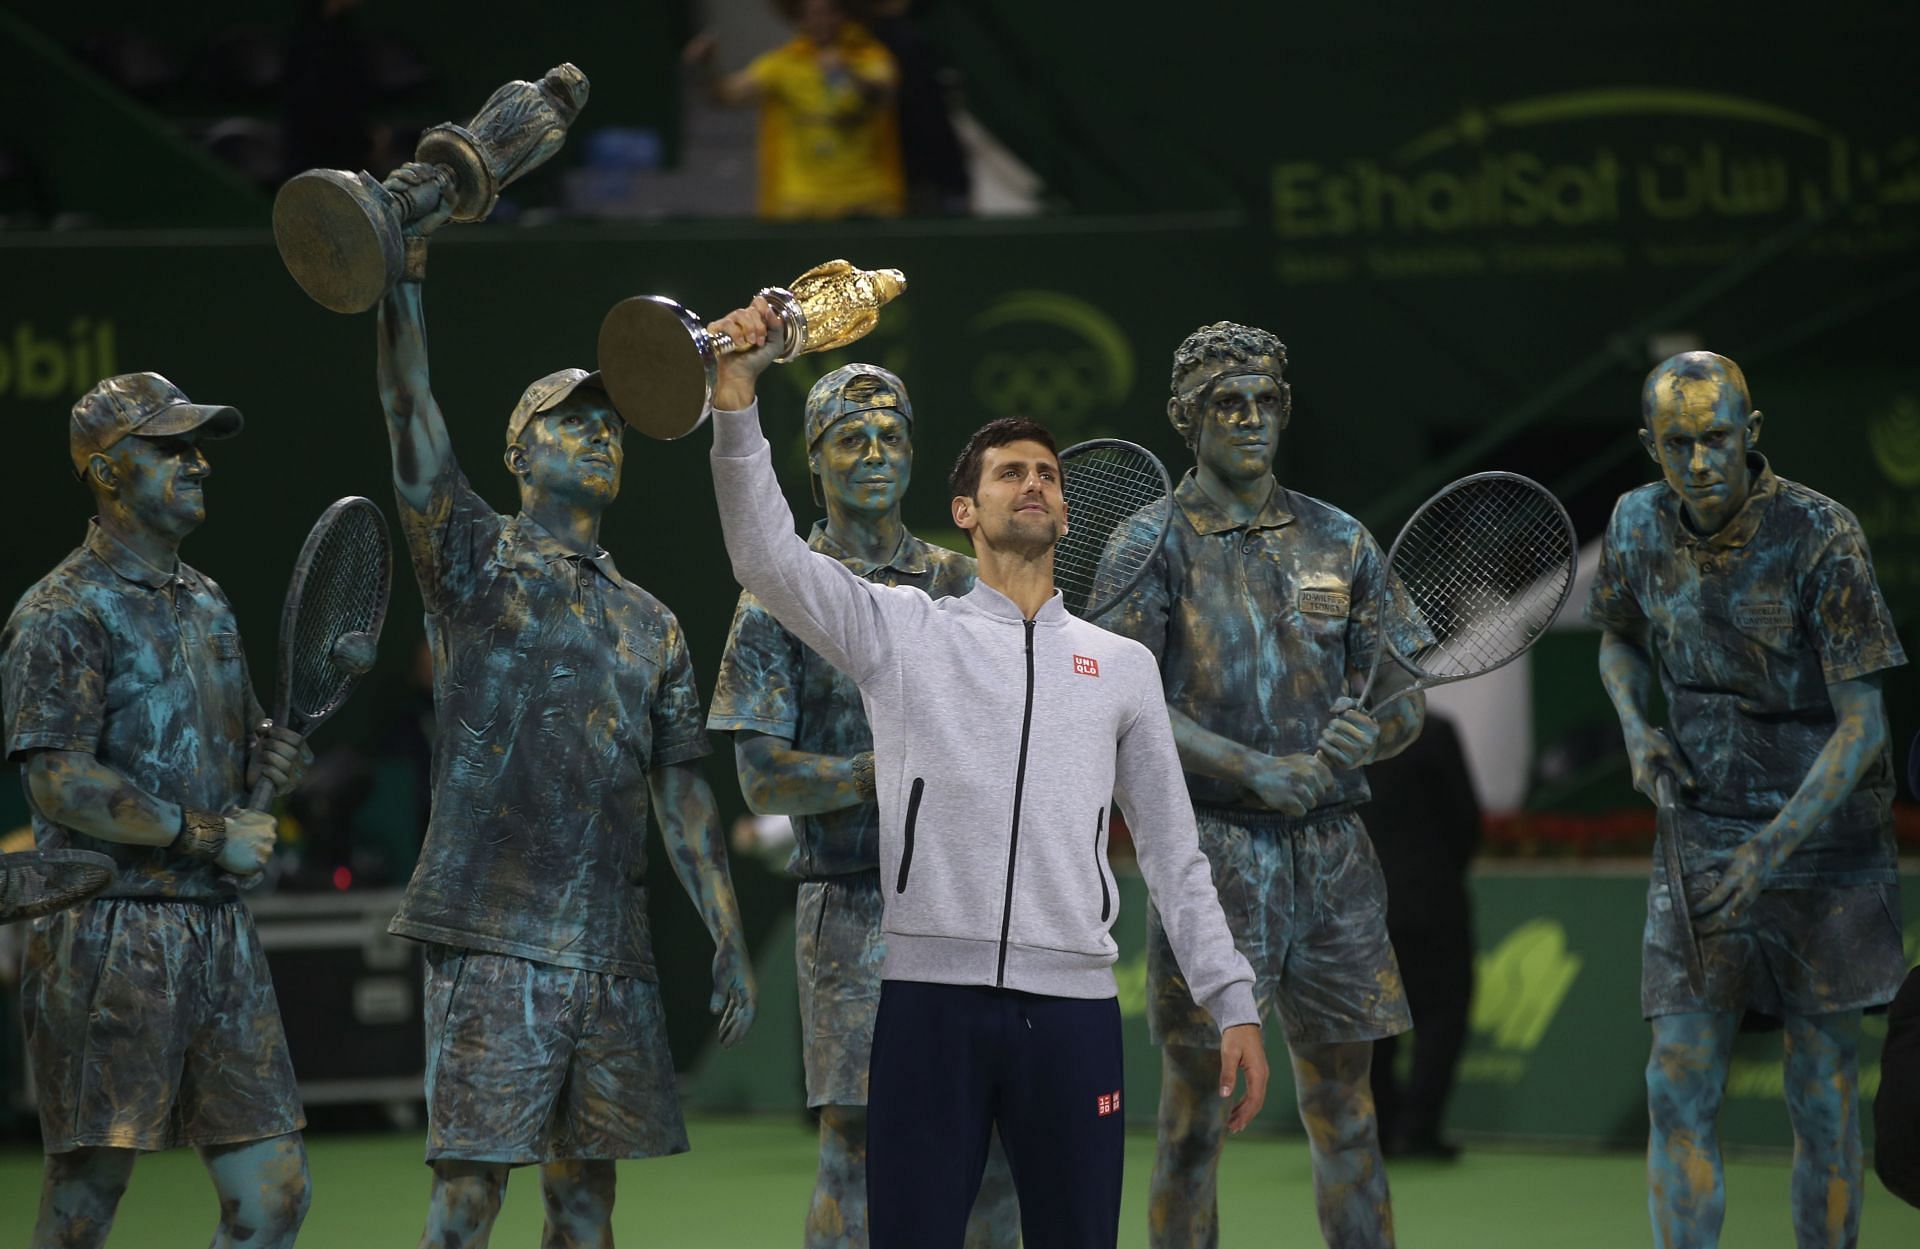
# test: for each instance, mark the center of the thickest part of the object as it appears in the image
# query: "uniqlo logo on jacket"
(1086, 666)
(1107, 1103)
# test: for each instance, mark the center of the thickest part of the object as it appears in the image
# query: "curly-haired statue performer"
(1263, 608)
(1756, 598)
(565, 698)
(150, 1018)
(1003, 730)
(804, 749)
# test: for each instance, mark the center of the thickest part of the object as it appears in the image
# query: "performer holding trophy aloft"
(565, 701)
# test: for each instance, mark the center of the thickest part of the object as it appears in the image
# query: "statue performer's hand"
(733, 991)
(250, 838)
(279, 755)
(1652, 753)
(404, 180)
(1741, 883)
(1350, 737)
(1291, 784)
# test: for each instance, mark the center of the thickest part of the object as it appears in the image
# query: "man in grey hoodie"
(1004, 728)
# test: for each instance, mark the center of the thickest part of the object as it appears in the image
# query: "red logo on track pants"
(1086, 666)
(1107, 1104)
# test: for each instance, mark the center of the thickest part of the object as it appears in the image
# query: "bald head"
(1698, 424)
(1693, 380)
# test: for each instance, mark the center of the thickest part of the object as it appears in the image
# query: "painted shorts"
(152, 1024)
(531, 1063)
(1813, 951)
(838, 951)
(1308, 907)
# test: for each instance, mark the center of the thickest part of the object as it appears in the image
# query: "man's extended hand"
(1350, 737)
(1240, 1051)
(250, 838)
(1291, 784)
(757, 327)
(280, 755)
(733, 991)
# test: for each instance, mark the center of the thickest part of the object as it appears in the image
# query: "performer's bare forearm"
(1858, 738)
(690, 828)
(1402, 720)
(776, 779)
(1626, 670)
(75, 790)
(416, 429)
(1206, 753)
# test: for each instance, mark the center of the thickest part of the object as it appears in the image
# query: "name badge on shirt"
(1762, 616)
(1323, 602)
(224, 645)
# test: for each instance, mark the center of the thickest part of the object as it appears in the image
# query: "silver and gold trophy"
(340, 233)
(659, 363)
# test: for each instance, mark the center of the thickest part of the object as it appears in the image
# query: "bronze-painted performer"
(1757, 599)
(149, 1013)
(565, 699)
(1263, 608)
(804, 749)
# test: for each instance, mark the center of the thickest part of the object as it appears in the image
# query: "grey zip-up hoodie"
(998, 744)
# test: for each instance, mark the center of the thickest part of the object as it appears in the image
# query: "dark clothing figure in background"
(1896, 1110)
(931, 157)
(566, 709)
(1755, 599)
(329, 93)
(804, 749)
(149, 1014)
(1425, 824)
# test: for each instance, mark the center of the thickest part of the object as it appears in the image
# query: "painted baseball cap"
(854, 388)
(146, 404)
(546, 394)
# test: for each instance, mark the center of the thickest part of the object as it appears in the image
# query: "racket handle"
(262, 796)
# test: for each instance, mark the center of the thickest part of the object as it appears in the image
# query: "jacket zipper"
(1013, 842)
(906, 855)
(1099, 867)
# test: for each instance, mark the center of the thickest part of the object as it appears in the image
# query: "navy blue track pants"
(951, 1063)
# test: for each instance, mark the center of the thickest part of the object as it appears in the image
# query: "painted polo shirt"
(141, 668)
(1749, 626)
(1260, 627)
(558, 685)
(770, 682)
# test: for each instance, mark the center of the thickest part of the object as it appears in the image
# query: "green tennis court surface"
(746, 1184)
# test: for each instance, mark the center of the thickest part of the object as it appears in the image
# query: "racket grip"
(262, 796)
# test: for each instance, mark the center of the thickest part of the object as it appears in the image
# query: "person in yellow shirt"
(829, 134)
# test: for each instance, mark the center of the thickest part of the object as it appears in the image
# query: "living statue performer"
(1756, 598)
(149, 1015)
(1263, 609)
(565, 699)
(804, 749)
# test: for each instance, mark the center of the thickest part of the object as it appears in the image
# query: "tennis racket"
(1667, 795)
(1119, 500)
(330, 627)
(1485, 564)
(39, 882)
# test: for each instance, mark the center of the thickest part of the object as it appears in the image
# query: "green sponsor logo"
(1895, 438)
(1522, 982)
(36, 364)
(1051, 357)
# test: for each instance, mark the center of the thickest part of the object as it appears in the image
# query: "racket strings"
(344, 591)
(1117, 509)
(1485, 565)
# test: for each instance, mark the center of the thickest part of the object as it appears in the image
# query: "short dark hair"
(965, 477)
